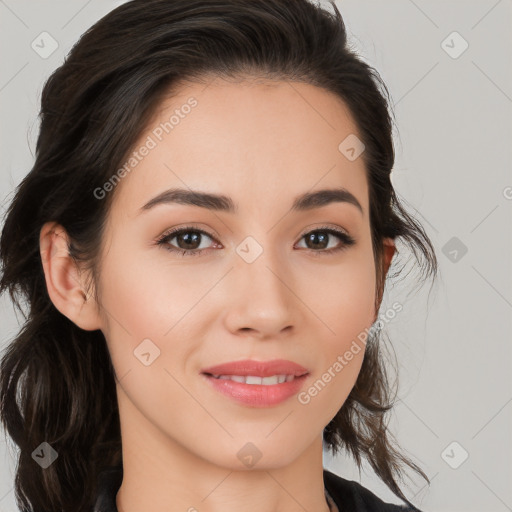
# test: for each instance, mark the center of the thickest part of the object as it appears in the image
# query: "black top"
(347, 495)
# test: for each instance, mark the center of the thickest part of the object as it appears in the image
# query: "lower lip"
(257, 395)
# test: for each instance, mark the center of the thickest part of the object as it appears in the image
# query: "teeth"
(251, 379)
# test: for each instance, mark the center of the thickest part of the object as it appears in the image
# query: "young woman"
(201, 249)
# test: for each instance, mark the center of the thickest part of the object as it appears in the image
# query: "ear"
(389, 252)
(64, 281)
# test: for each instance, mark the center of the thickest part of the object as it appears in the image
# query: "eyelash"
(163, 240)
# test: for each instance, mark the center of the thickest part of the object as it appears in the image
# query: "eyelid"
(323, 227)
(192, 227)
(187, 227)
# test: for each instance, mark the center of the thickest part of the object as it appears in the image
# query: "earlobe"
(64, 281)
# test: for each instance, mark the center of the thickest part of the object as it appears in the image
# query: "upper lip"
(257, 368)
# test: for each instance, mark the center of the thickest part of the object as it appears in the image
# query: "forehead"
(249, 138)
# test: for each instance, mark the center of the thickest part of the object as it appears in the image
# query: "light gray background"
(453, 168)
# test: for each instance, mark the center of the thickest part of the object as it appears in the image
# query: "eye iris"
(323, 236)
(187, 238)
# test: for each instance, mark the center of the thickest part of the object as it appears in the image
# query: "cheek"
(147, 294)
(157, 299)
(347, 312)
(341, 295)
(146, 306)
(343, 303)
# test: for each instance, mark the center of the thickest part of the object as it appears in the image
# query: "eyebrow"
(222, 203)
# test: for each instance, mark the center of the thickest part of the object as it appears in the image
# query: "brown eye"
(188, 241)
(319, 239)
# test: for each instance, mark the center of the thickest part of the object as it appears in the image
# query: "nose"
(262, 303)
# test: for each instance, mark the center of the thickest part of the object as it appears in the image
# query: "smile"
(253, 379)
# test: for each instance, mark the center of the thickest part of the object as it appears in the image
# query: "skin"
(180, 437)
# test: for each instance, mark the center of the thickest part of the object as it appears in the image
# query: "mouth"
(251, 391)
(257, 383)
(255, 379)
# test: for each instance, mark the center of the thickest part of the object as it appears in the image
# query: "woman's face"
(262, 282)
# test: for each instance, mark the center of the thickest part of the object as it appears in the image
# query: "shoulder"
(351, 495)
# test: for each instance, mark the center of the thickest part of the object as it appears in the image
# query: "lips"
(257, 383)
(254, 368)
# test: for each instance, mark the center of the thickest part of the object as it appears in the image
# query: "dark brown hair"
(57, 383)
